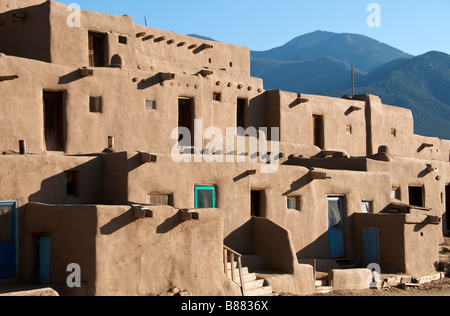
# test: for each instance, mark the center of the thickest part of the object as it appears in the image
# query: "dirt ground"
(436, 288)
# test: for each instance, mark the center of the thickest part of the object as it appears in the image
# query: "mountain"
(364, 53)
(421, 84)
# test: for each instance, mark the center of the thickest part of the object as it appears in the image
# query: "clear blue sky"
(414, 26)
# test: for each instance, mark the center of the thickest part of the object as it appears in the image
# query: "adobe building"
(92, 172)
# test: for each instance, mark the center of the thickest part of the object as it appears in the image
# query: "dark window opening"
(97, 49)
(73, 183)
(95, 105)
(54, 120)
(241, 106)
(416, 196)
(217, 96)
(186, 119)
(318, 134)
(123, 40)
(258, 203)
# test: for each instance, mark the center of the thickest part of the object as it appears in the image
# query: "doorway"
(416, 196)
(318, 134)
(44, 260)
(371, 245)
(186, 119)
(257, 203)
(54, 120)
(241, 106)
(97, 49)
(8, 240)
(335, 227)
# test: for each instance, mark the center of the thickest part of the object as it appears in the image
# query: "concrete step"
(255, 284)
(324, 289)
(263, 291)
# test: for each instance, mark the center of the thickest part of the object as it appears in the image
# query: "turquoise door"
(371, 245)
(205, 197)
(335, 227)
(8, 239)
(44, 260)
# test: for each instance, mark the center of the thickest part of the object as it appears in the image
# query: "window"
(393, 132)
(367, 207)
(73, 183)
(395, 193)
(95, 105)
(150, 105)
(241, 106)
(97, 49)
(123, 39)
(416, 196)
(217, 96)
(349, 129)
(293, 203)
(205, 197)
(161, 199)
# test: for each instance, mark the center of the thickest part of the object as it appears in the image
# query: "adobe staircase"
(253, 286)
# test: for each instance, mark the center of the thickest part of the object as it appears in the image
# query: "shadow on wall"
(298, 184)
(318, 249)
(118, 223)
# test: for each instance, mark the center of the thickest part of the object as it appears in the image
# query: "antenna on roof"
(145, 18)
(353, 82)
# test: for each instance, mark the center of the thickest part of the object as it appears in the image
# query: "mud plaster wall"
(152, 254)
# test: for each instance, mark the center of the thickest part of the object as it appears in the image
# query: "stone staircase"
(253, 285)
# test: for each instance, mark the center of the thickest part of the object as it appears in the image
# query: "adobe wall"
(338, 116)
(153, 254)
(7, 5)
(26, 32)
(41, 178)
(123, 102)
(72, 230)
(308, 227)
(407, 243)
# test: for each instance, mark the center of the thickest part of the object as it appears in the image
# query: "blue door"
(371, 245)
(205, 197)
(44, 260)
(335, 227)
(8, 239)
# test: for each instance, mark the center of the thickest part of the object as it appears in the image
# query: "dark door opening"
(416, 196)
(97, 49)
(241, 105)
(258, 203)
(447, 206)
(186, 119)
(54, 120)
(318, 137)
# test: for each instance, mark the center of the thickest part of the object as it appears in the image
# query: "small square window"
(293, 203)
(95, 105)
(349, 129)
(123, 39)
(367, 207)
(217, 96)
(150, 105)
(161, 199)
(393, 132)
(395, 193)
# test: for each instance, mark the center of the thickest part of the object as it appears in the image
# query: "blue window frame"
(205, 197)
(8, 239)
